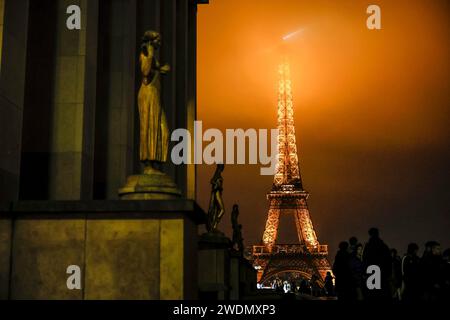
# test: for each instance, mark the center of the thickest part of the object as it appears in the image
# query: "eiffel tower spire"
(287, 172)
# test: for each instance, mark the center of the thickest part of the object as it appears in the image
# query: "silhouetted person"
(329, 286)
(432, 269)
(293, 286)
(279, 286)
(304, 287)
(357, 272)
(446, 280)
(353, 242)
(286, 286)
(427, 251)
(396, 278)
(376, 252)
(308, 287)
(342, 272)
(315, 287)
(411, 274)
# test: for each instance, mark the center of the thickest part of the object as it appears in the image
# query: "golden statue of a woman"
(154, 133)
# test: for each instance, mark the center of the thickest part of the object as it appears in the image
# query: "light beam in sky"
(292, 34)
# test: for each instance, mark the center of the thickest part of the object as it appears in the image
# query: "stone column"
(13, 33)
(2, 12)
(61, 96)
(192, 92)
(13, 44)
(116, 98)
(168, 52)
(186, 85)
(72, 106)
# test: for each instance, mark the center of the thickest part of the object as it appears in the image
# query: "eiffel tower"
(306, 259)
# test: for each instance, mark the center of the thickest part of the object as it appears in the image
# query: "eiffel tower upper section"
(287, 170)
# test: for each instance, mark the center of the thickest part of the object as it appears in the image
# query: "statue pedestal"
(242, 277)
(150, 185)
(126, 249)
(214, 266)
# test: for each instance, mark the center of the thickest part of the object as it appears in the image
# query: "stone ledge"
(93, 209)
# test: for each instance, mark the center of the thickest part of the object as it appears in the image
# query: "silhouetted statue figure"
(411, 289)
(234, 217)
(216, 207)
(358, 274)
(342, 272)
(329, 286)
(238, 241)
(396, 278)
(432, 272)
(154, 133)
(376, 252)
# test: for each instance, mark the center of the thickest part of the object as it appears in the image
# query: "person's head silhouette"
(374, 233)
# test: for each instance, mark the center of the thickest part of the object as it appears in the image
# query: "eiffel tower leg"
(299, 227)
(305, 230)
(270, 232)
(262, 263)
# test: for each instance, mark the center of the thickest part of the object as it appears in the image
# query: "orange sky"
(371, 110)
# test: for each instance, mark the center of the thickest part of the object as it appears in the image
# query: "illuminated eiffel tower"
(306, 259)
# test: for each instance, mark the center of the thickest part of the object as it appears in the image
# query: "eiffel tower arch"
(306, 259)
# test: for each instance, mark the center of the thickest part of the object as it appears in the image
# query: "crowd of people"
(302, 286)
(408, 278)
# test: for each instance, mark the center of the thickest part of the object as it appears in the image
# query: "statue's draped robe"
(153, 124)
